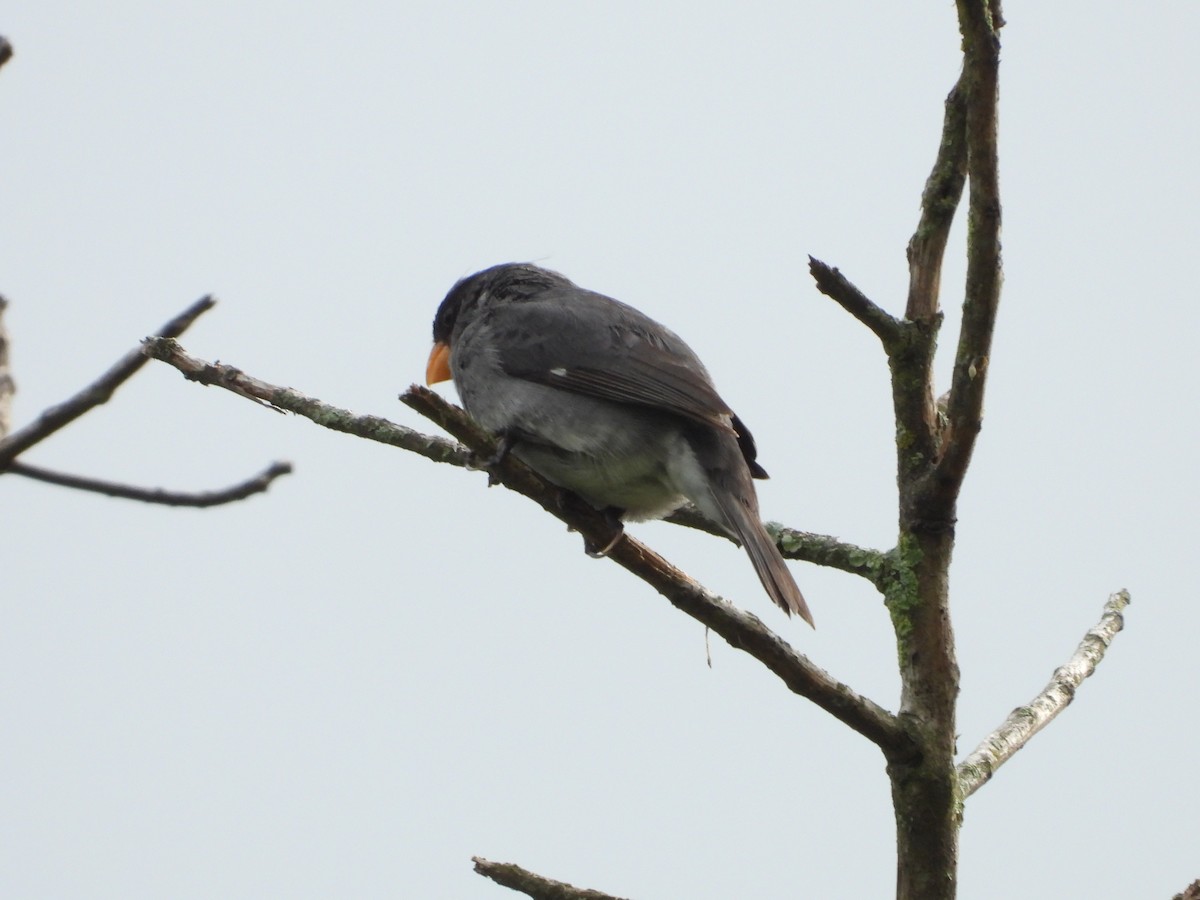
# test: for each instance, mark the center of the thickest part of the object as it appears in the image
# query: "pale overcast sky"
(349, 686)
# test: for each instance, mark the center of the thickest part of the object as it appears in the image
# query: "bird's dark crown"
(504, 283)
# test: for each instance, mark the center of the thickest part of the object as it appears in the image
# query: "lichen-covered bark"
(923, 790)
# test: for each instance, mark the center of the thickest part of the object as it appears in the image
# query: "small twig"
(1026, 721)
(510, 875)
(256, 485)
(833, 284)
(910, 347)
(96, 393)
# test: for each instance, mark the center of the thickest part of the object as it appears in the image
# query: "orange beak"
(438, 367)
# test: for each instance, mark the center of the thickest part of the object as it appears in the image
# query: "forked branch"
(96, 393)
(979, 22)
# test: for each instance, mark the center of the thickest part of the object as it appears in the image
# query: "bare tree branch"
(8, 387)
(1026, 721)
(256, 485)
(939, 202)
(833, 284)
(740, 629)
(910, 346)
(510, 875)
(96, 393)
(372, 428)
(979, 81)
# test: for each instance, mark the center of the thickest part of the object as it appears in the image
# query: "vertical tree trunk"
(934, 448)
(927, 810)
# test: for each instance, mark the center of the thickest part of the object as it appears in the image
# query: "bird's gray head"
(505, 283)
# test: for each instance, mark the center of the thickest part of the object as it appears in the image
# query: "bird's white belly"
(640, 485)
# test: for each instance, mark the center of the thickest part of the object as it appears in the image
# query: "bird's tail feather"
(768, 563)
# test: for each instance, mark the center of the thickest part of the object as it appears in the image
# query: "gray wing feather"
(590, 344)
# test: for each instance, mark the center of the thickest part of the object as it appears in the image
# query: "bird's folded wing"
(595, 346)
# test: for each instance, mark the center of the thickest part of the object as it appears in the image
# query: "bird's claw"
(590, 549)
(491, 463)
(569, 502)
(612, 515)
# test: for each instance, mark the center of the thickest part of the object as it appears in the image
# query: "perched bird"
(605, 402)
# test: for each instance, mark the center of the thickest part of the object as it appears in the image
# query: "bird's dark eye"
(447, 314)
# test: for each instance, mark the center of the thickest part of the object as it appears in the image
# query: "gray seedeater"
(605, 402)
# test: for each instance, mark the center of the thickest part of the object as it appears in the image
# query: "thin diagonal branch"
(740, 629)
(833, 284)
(820, 549)
(980, 78)
(939, 202)
(373, 428)
(909, 345)
(96, 393)
(1026, 721)
(510, 875)
(256, 485)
